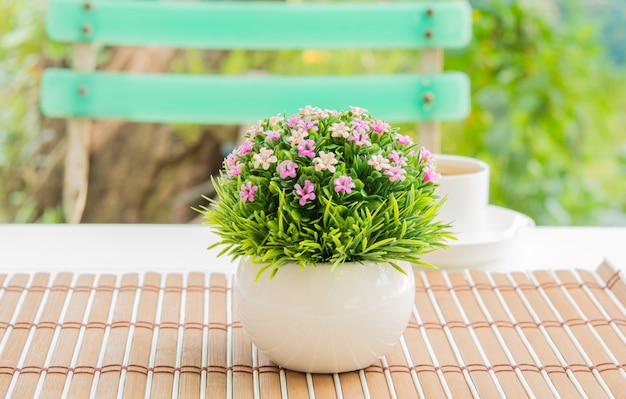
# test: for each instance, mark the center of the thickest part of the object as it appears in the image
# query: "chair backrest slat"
(240, 99)
(261, 25)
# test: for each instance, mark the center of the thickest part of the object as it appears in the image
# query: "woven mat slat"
(217, 380)
(11, 295)
(60, 364)
(351, 386)
(141, 344)
(401, 373)
(440, 351)
(90, 346)
(163, 365)
(112, 367)
(268, 375)
(15, 340)
(242, 367)
(473, 333)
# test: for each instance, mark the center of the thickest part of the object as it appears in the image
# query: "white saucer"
(504, 227)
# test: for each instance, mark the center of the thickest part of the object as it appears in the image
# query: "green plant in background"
(22, 44)
(327, 187)
(546, 115)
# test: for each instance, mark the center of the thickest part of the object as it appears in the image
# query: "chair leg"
(76, 177)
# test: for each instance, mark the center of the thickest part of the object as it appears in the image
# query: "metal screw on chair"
(430, 12)
(428, 34)
(428, 98)
(82, 91)
(88, 6)
(86, 29)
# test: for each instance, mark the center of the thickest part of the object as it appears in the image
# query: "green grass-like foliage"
(327, 187)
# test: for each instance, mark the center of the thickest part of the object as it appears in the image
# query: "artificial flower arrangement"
(324, 186)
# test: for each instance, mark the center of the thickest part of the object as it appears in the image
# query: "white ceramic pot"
(318, 321)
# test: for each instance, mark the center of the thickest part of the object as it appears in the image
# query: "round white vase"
(318, 321)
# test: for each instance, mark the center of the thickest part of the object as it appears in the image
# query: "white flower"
(256, 129)
(378, 162)
(275, 120)
(339, 130)
(265, 157)
(308, 110)
(325, 161)
(357, 110)
(297, 136)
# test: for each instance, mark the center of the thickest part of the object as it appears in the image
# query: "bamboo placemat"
(473, 334)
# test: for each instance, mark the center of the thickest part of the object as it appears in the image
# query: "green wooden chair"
(82, 94)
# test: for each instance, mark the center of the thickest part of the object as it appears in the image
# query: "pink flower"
(295, 120)
(397, 158)
(360, 125)
(287, 169)
(395, 173)
(305, 193)
(307, 123)
(430, 175)
(344, 183)
(272, 135)
(425, 154)
(404, 140)
(360, 138)
(380, 126)
(305, 148)
(231, 159)
(235, 170)
(245, 147)
(247, 192)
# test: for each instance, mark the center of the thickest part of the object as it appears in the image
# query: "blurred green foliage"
(548, 115)
(548, 107)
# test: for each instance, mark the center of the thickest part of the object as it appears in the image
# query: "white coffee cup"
(464, 183)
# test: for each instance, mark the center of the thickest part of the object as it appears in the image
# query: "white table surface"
(121, 248)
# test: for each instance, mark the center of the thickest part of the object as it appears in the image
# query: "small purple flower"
(287, 169)
(403, 140)
(344, 183)
(294, 120)
(360, 138)
(425, 155)
(272, 135)
(305, 193)
(247, 192)
(245, 147)
(397, 158)
(395, 173)
(430, 175)
(235, 170)
(231, 159)
(307, 123)
(360, 125)
(305, 148)
(380, 126)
